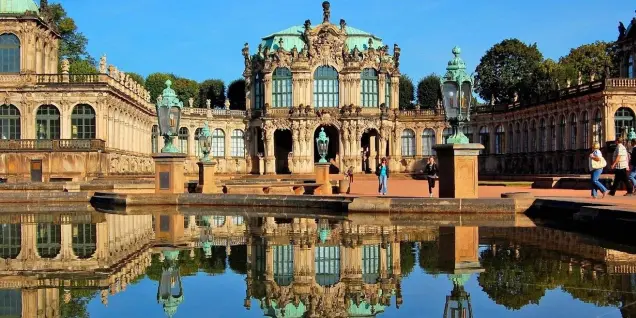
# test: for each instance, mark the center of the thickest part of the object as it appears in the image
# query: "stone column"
(267, 85)
(395, 92)
(270, 160)
(373, 152)
(322, 178)
(295, 164)
(66, 242)
(169, 172)
(207, 180)
(458, 170)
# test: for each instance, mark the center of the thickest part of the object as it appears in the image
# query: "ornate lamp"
(205, 142)
(458, 303)
(169, 113)
(457, 88)
(632, 134)
(322, 142)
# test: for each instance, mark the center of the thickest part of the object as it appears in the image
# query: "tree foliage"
(589, 59)
(236, 94)
(186, 89)
(428, 91)
(73, 43)
(508, 68)
(429, 257)
(407, 92)
(76, 307)
(214, 90)
(407, 258)
(82, 67)
(137, 78)
(156, 82)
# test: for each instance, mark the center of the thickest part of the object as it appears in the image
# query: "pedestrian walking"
(382, 172)
(431, 174)
(597, 163)
(621, 167)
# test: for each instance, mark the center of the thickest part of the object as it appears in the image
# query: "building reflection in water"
(296, 267)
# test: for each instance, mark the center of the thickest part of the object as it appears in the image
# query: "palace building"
(57, 126)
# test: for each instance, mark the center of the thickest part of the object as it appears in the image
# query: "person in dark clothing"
(621, 167)
(632, 165)
(431, 174)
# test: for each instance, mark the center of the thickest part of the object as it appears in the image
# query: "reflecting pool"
(89, 264)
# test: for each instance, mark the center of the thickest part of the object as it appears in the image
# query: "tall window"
(327, 265)
(518, 140)
(573, 132)
(218, 143)
(197, 148)
(524, 141)
(10, 240)
(282, 90)
(283, 264)
(553, 134)
(499, 140)
(428, 140)
(326, 87)
(369, 80)
(47, 122)
(387, 91)
(623, 121)
(84, 240)
(83, 122)
(9, 53)
(370, 263)
(259, 94)
(10, 122)
(543, 137)
(561, 139)
(533, 136)
(49, 240)
(598, 126)
(447, 132)
(154, 138)
(586, 131)
(408, 143)
(184, 135)
(238, 144)
(630, 67)
(511, 138)
(468, 132)
(484, 139)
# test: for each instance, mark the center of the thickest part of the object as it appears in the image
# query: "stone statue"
(607, 71)
(191, 102)
(102, 64)
(343, 24)
(227, 104)
(370, 43)
(246, 55)
(260, 49)
(280, 44)
(592, 77)
(568, 83)
(326, 12)
(580, 79)
(294, 52)
(396, 55)
(208, 103)
(621, 30)
(66, 66)
(307, 25)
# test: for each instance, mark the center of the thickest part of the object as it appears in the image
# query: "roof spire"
(43, 4)
(326, 12)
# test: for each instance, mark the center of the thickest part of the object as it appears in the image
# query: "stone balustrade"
(621, 82)
(53, 145)
(214, 112)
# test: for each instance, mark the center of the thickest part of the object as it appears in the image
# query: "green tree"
(407, 92)
(186, 89)
(82, 67)
(73, 43)
(156, 82)
(236, 94)
(551, 76)
(428, 91)
(589, 59)
(429, 257)
(137, 78)
(508, 68)
(407, 258)
(214, 90)
(238, 259)
(76, 307)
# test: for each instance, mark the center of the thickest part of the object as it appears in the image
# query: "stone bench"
(285, 189)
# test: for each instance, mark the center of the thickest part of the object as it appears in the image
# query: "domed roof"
(18, 6)
(293, 36)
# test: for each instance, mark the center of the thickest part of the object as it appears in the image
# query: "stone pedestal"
(261, 166)
(322, 177)
(207, 179)
(458, 170)
(169, 172)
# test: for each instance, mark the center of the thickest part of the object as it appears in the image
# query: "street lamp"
(322, 142)
(457, 88)
(169, 112)
(205, 142)
(458, 303)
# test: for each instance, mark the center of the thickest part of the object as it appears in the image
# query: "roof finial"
(326, 12)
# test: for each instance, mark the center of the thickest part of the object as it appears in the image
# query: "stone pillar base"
(207, 178)
(322, 177)
(169, 172)
(458, 170)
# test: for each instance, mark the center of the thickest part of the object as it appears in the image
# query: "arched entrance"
(370, 144)
(333, 153)
(282, 148)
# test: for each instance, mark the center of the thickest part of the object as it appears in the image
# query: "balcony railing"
(215, 112)
(72, 78)
(52, 145)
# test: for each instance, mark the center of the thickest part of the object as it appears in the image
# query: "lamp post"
(205, 142)
(457, 88)
(458, 302)
(322, 143)
(322, 166)
(169, 112)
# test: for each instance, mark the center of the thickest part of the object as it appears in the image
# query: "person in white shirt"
(621, 167)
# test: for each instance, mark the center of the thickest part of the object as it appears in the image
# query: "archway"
(333, 151)
(370, 144)
(282, 148)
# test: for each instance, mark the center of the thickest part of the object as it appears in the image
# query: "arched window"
(511, 138)
(83, 122)
(9, 53)
(573, 132)
(518, 140)
(259, 94)
(623, 121)
(12, 302)
(428, 140)
(10, 127)
(630, 67)
(238, 220)
(369, 80)
(49, 240)
(468, 132)
(586, 131)
(387, 91)
(154, 138)
(218, 220)
(533, 136)
(84, 240)
(553, 134)
(484, 139)
(525, 142)
(598, 126)
(561, 139)
(543, 137)
(197, 149)
(283, 264)
(408, 143)
(499, 139)
(326, 87)
(47, 122)
(282, 87)
(238, 144)
(184, 136)
(370, 263)
(10, 240)
(218, 143)
(327, 265)
(446, 133)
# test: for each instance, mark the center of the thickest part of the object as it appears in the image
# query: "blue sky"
(201, 39)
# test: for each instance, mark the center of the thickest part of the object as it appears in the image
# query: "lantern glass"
(467, 98)
(164, 120)
(449, 90)
(175, 118)
(322, 148)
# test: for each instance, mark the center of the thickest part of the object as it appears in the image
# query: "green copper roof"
(365, 309)
(292, 36)
(17, 6)
(289, 311)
